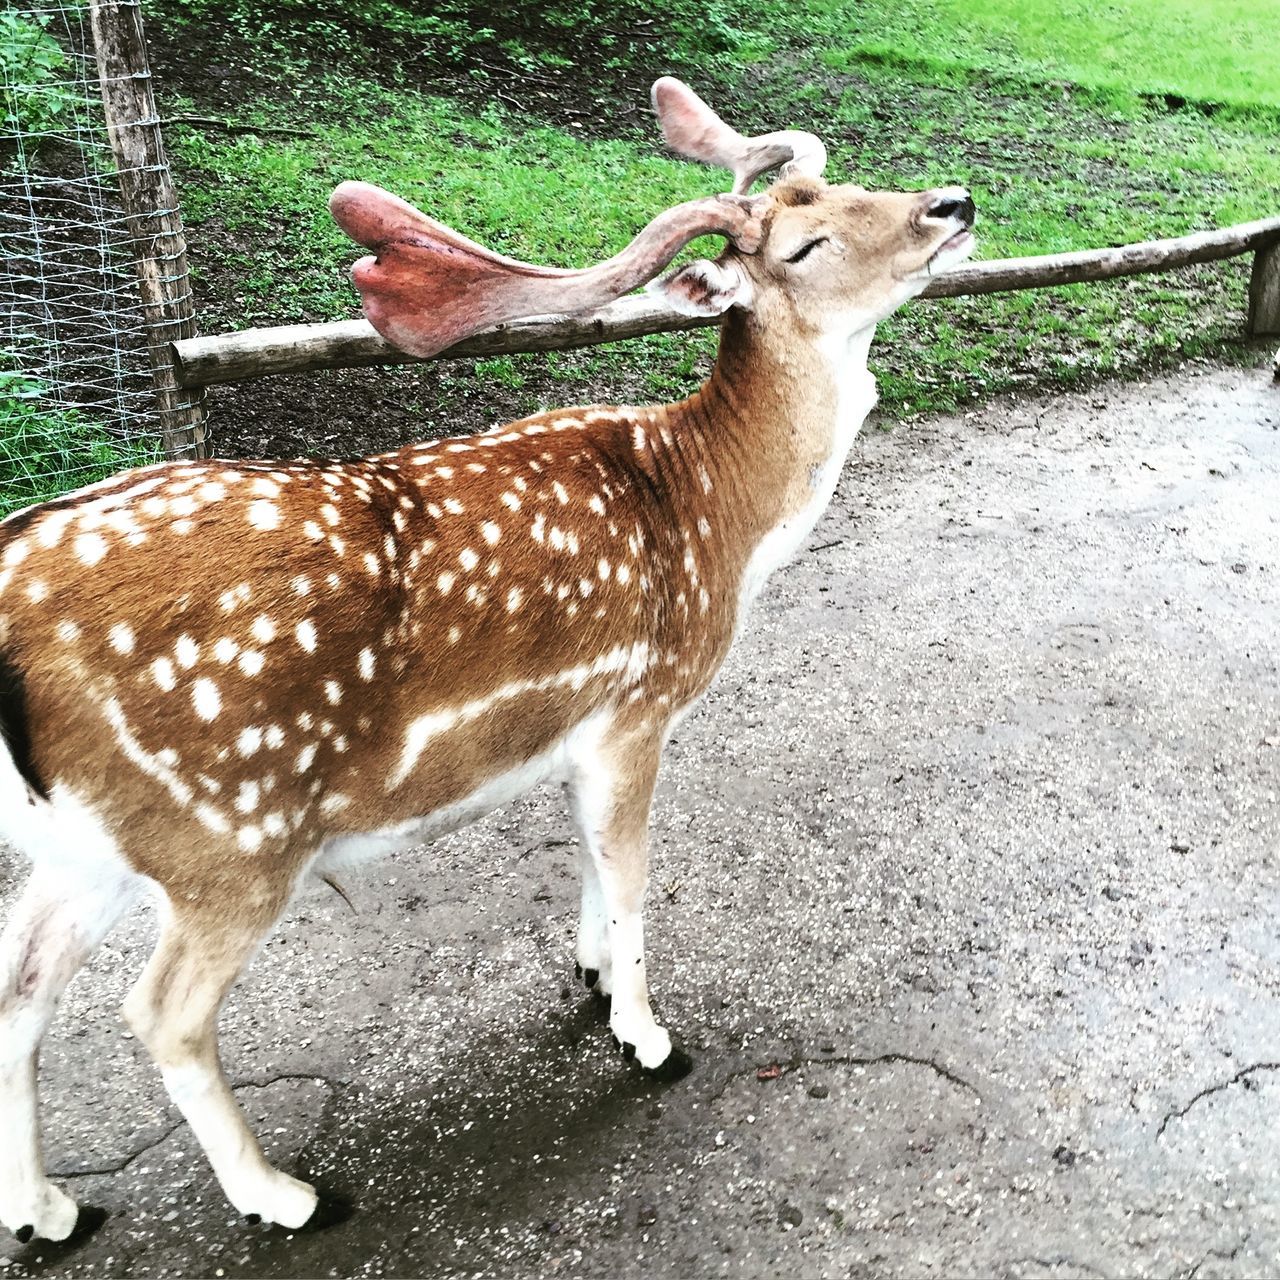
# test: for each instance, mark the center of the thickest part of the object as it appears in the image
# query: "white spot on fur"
(250, 741)
(367, 664)
(247, 797)
(251, 662)
(90, 547)
(305, 632)
(187, 652)
(206, 699)
(212, 818)
(468, 558)
(492, 533)
(264, 515)
(122, 638)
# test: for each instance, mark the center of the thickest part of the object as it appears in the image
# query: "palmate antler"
(694, 130)
(425, 287)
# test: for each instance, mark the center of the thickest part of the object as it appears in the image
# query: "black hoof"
(253, 1218)
(675, 1066)
(329, 1211)
(628, 1050)
(591, 976)
(88, 1220)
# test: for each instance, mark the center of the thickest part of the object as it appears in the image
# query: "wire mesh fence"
(76, 398)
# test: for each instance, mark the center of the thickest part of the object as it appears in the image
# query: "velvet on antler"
(694, 130)
(426, 287)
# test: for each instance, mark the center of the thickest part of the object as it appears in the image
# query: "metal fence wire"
(76, 397)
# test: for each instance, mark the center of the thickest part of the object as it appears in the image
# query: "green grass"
(1050, 172)
(45, 450)
(1204, 51)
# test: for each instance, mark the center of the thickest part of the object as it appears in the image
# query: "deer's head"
(834, 258)
(829, 258)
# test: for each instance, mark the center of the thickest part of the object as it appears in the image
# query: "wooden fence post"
(1264, 291)
(153, 217)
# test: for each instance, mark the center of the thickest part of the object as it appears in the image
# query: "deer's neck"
(767, 437)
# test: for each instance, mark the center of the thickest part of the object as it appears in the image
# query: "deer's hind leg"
(206, 941)
(55, 926)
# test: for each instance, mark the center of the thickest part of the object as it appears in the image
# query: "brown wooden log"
(254, 353)
(152, 216)
(1006, 275)
(1264, 291)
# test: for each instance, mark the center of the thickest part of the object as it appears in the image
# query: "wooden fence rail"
(298, 348)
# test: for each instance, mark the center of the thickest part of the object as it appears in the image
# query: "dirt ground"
(965, 900)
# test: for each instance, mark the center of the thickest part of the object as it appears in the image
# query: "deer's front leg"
(612, 791)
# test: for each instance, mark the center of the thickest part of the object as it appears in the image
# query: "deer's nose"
(954, 202)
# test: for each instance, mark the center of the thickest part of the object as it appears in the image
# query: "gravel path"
(965, 898)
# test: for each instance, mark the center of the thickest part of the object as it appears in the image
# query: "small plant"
(31, 66)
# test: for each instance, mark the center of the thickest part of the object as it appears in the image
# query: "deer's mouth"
(955, 248)
(962, 242)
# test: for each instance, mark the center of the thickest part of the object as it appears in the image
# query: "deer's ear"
(704, 288)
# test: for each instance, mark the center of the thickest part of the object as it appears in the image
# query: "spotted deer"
(220, 679)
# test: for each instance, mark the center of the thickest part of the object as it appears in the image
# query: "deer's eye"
(806, 249)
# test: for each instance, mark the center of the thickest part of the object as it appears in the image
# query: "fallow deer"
(220, 678)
